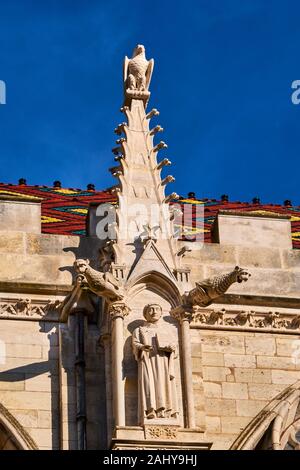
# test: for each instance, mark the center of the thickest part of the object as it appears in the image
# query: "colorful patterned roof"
(64, 210)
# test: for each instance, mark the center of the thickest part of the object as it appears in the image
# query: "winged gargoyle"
(208, 290)
(103, 284)
(137, 73)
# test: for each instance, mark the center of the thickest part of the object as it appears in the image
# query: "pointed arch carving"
(18, 436)
(155, 282)
(276, 427)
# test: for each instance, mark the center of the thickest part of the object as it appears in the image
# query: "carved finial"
(115, 189)
(168, 179)
(156, 129)
(124, 109)
(120, 128)
(164, 162)
(185, 249)
(119, 157)
(161, 145)
(137, 76)
(117, 150)
(153, 112)
(171, 197)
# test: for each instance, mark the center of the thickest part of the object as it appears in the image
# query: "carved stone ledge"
(246, 320)
(159, 438)
(29, 309)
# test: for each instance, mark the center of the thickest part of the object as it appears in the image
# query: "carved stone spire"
(141, 190)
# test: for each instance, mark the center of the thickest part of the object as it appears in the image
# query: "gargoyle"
(103, 284)
(208, 290)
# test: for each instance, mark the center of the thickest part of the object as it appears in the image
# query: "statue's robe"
(156, 379)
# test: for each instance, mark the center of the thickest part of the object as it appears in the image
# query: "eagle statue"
(137, 74)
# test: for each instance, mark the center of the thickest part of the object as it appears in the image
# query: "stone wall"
(241, 372)
(236, 370)
(29, 381)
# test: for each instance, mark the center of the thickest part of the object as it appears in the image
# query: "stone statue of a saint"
(155, 353)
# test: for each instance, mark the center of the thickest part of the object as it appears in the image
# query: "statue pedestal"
(158, 437)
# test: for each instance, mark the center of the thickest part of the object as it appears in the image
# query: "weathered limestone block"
(41, 383)
(18, 350)
(27, 418)
(222, 342)
(264, 391)
(197, 379)
(236, 391)
(25, 400)
(212, 390)
(213, 359)
(259, 257)
(252, 375)
(244, 229)
(233, 424)
(220, 407)
(44, 437)
(250, 407)
(213, 424)
(221, 441)
(11, 381)
(62, 245)
(284, 376)
(29, 366)
(45, 419)
(12, 242)
(239, 360)
(212, 253)
(260, 345)
(276, 362)
(36, 269)
(21, 216)
(287, 346)
(215, 374)
(291, 259)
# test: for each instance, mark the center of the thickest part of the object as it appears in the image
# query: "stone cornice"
(246, 319)
(35, 288)
(259, 300)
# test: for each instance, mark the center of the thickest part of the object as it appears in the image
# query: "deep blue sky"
(222, 82)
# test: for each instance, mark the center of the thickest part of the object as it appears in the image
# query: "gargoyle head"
(241, 274)
(81, 265)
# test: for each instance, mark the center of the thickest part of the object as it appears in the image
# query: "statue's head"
(152, 312)
(81, 265)
(138, 50)
(242, 274)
